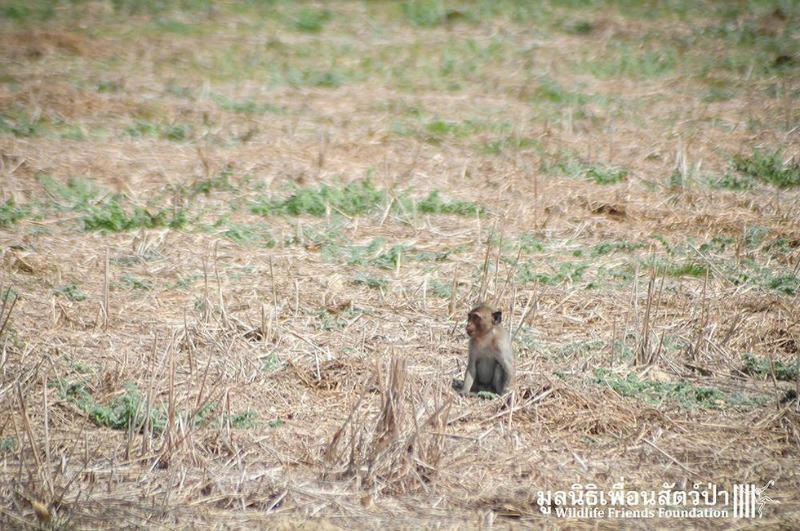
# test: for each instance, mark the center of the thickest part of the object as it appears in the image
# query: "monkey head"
(481, 320)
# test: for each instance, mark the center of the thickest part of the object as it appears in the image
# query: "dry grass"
(275, 387)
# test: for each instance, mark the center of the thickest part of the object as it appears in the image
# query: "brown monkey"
(490, 366)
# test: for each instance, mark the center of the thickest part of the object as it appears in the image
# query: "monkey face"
(473, 323)
(479, 321)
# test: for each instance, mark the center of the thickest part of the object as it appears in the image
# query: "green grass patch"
(425, 13)
(601, 175)
(358, 198)
(718, 244)
(115, 215)
(528, 243)
(379, 253)
(128, 411)
(748, 271)
(23, 12)
(76, 192)
(8, 445)
(129, 281)
(153, 7)
(112, 213)
(434, 204)
(10, 213)
(763, 368)
(605, 248)
(249, 234)
(370, 281)
(631, 60)
(176, 132)
(769, 167)
(732, 181)
(570, 165)
(787, 284)
(690, 269)
(245, 420)
(17, 121)
(246, 106)
(311, 20)
(554, 275)
(683, 393)
(513, 143)
(71, 292)
(581, 347)
(221, 182)
(124, 412)
(440, 289)
(270, 363)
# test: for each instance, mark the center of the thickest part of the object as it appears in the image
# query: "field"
(239, 240)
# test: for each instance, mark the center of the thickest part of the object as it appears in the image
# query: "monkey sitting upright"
(490, 366)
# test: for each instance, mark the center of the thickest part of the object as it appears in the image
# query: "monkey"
(490, 365)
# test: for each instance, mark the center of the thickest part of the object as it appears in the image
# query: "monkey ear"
(497, 317)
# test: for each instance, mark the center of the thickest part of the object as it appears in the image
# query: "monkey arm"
(469, 375)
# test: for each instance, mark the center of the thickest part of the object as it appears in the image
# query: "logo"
(749, 498)
(745, 500)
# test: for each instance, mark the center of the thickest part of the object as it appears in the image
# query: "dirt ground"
(186, 343)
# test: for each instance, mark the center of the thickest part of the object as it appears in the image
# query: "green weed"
(126, 411)
(112, 216)
(434, 204)
(10, 213)
(425, 13)
(496, 147)
(392, 257)
(245, 420)
(153, 7)
(691, 269)
(787, 284)
(171, 131)
(246, 106)
(716, 94)
(270, 363)
(605, 248)
(174, 27)
(28, 11)
(357, 197)
(683, 393)
(8, 445)
(732, 181)
(717, 244)
(370, 281)
(76, 193)
(311, 20)
(72, 292)
(769, 168)
(18, 122)
(763, 368)
(528, 243)
(220, 182)
(565, 272)
(581, 347)
(551, 90)
(131, 282)
(440, 289)
(754, 236)
(602, 175)
(122, 413)
(630, 60)
(437, 130)
(249, 235)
